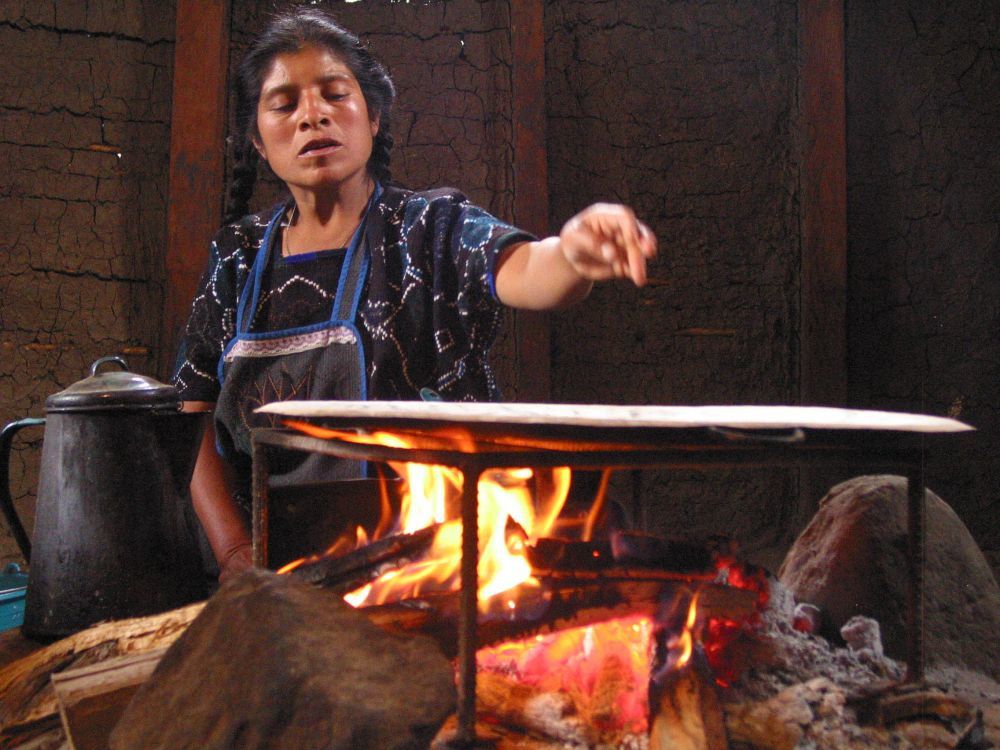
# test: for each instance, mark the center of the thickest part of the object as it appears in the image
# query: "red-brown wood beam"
(531, 194)
(823, 186)
(197, 131)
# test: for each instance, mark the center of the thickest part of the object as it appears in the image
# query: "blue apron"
(322, 361)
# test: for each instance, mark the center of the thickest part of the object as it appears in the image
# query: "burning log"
(514, 704)
(347, 572)
(623, 554)
(558, 605)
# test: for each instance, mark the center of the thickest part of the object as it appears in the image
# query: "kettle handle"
(6, 501)
(112, 358)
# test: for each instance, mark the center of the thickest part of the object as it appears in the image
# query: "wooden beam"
(531, 195)
(823, 187)
(197, 179)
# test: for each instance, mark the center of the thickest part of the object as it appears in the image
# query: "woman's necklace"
(286, 238)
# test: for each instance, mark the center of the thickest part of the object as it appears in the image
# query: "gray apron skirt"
(319, 361)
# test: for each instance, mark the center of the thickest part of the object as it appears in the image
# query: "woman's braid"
(242, 185)
(378, 163)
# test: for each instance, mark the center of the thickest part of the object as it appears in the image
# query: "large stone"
(851, 560)
(275, 663)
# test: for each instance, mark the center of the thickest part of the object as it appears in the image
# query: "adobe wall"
(686, 110)
(84, 139)
(924, 232)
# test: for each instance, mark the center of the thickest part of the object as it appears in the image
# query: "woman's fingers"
(608, 241)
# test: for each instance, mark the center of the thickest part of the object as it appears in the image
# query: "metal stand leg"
(468, 612)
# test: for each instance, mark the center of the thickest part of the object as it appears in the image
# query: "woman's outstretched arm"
(604, 241)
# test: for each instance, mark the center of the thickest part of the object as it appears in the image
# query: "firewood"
(551, 715)
(688, 714)
(923, 703)
(92, 698)
(560, 604)
(358, 567)
(347, 572)
(623, 554)
(28, 698)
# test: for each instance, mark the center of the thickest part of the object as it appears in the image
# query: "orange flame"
(684, 642)
(523, 499)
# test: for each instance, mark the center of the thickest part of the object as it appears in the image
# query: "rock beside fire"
(851, 560)
(273, 662)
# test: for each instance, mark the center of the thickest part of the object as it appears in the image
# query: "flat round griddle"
(610, 423)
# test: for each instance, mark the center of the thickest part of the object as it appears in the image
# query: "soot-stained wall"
(84, 139)
(924, 232)
(687, 112)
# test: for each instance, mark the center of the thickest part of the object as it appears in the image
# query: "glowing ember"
(604, 668)
(722, 636)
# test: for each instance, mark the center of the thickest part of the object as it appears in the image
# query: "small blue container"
(13, 584)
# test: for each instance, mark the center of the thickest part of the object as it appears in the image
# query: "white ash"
(864, 638)
(782, 656)
(795, 695)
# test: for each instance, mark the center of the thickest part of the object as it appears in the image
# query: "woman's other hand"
(607, 241)
(235, 561)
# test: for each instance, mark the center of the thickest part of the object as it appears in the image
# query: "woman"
(354, 288)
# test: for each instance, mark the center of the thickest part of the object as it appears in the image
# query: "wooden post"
(823, 227)
(531, 195)
(197, 132)
(823, 187)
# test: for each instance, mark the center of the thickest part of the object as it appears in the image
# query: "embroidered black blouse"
(428, 313)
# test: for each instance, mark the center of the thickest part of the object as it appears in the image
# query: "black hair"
(289, 32)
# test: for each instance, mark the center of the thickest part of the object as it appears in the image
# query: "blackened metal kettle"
(113, 536)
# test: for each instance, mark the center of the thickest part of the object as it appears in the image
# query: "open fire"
(601, 670)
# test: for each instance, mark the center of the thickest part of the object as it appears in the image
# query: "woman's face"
(314, 127)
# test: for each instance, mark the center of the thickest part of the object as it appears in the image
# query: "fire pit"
(475, 438)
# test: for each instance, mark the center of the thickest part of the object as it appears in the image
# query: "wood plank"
(823, 190)
(26, 686)
(197, 156)
(531, 196)
(92, 698)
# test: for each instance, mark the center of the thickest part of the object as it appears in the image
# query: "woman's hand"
(604, 241)
(235, 561)
(607, 241)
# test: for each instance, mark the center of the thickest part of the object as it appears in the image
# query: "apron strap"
(250, 293)
(355, 271)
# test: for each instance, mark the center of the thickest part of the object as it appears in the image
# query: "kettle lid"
(118, 389)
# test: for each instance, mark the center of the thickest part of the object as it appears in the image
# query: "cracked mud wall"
(685, 109)
(924, 232)
(84, 134)
(687, 112)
